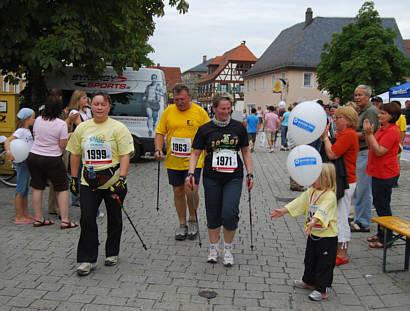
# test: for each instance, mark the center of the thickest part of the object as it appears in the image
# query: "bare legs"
(182, 199)
(214, 235)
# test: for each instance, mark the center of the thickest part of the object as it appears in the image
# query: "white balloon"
(307, 121)
(304, 164)
(19, 150)
(282, 104)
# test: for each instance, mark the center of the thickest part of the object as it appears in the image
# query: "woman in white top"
(78, 104)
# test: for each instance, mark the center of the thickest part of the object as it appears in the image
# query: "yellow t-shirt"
(101, 145)
(180, 128)
(319, 204)
(401, 123)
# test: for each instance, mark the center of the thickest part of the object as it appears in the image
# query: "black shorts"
(252, 137)
(177, 178)
(42, 168)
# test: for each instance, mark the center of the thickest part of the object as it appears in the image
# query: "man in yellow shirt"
(179, 123)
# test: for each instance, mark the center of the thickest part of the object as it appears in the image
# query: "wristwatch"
(190, 175)
(124, 178)
(249, 176)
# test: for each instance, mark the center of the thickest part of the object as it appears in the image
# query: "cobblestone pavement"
(37, 265)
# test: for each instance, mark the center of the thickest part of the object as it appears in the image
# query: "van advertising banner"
(138, 96)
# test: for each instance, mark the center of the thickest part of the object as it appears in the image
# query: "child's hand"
(278, 213)
(309, 226)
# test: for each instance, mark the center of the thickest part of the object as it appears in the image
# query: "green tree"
(363, 53)
(39, 36)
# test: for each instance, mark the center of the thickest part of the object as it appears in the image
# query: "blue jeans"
(382, 189)
(23, 179)
(363, 194)
(283, 140)
(222, 202)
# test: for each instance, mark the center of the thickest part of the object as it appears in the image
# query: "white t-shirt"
(84, 115)
(24, 134)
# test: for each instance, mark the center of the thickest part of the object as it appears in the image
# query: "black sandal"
(68, 225)
(45, 222)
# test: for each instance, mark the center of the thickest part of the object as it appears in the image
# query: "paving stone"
(39, 272)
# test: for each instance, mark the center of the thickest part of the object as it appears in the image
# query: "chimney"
(204, 59)
(308, 17)
(243, 42)
(158, 65)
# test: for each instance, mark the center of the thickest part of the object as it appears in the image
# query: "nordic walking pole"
(196, 217)
(132, 224)
(159, 167)
(250, 218)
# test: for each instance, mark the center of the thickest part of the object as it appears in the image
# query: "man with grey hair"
(363, 197)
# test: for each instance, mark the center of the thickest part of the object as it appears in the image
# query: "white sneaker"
(111, 261)
(213, 255)
(228, 258)
(85, 268)
(271, 150)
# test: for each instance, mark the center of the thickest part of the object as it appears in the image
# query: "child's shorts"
(23, 179)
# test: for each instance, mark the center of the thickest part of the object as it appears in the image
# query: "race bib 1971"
(97, 153)
(180, 147)
(225, 161)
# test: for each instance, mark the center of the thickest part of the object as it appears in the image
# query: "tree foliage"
(363, 53)
(39, 36)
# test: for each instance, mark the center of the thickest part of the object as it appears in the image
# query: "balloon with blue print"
(307, 121)
(304, 164)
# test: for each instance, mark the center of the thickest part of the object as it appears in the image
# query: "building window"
(284, 75)
(223, 87)
(241, 89)
(273, 81)
(308, 79)
(254, 84)
(247, 85)
(6, 86)
(263, 83)
(17, 88)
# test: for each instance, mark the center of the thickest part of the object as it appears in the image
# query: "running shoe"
(228, 258)
(213, 255)
(111, 261)
(85, 268)
(303, 285)
(271, 150)
(192, 229)
(181, 233)
(318, 296)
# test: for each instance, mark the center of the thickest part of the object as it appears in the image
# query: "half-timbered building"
(225, 74)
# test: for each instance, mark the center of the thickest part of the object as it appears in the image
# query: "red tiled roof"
(407, 44)
(239, 53)
(172, 75)
(216, 61)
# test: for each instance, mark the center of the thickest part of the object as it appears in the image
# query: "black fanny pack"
(101, 177)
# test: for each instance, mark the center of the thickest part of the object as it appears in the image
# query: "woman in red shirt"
(346, 145)
(382, 164)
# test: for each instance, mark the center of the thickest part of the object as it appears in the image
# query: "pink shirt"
(271, 121)
(47, 136)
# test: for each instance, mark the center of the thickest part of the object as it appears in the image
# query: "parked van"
(138, 98)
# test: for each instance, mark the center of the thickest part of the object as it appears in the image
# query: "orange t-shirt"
(347, 145)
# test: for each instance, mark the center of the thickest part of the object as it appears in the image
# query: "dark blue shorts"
(222, 202)
(177, 178)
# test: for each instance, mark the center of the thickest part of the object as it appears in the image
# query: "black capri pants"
(87, 250)
(222, 202)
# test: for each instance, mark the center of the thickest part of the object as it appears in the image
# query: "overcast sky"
(212, 27)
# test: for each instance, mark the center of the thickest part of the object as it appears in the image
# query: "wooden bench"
(401, 230)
